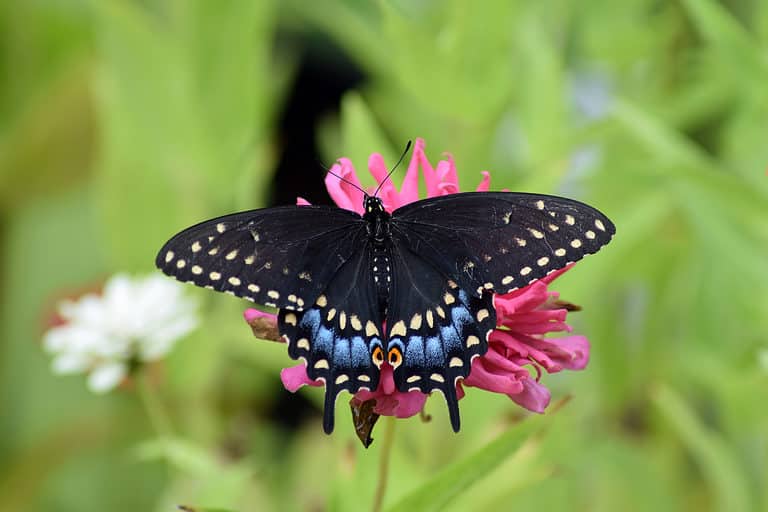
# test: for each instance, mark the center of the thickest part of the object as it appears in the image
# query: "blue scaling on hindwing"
(341, 353)
(334, 334)
(414, 351)
(310, 322)
(326, 342)
(460, 317)
(442, 339)
(435, 358)
(335, 349)
(360, 355)
(451, 338)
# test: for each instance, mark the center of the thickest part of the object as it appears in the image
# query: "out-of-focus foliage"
(124, 121)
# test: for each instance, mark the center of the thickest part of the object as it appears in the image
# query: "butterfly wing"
(501, 241)
(435, 328)
(451, 252)
(281, 257)
(337, 334)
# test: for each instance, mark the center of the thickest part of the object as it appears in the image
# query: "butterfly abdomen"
(377, 224)
(381, 270)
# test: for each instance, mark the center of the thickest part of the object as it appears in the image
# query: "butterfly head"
(377, 218)
(373, 205)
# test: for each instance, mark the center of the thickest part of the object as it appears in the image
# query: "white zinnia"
(134, 318)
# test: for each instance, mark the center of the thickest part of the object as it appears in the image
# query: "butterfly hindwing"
(435, 328)
(337, 334)
(281, 257)
(500, 241)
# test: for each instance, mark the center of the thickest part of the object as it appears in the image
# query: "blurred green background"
(122, 122)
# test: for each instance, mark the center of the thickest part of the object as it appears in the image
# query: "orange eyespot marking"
(378, 356)
(395, 357)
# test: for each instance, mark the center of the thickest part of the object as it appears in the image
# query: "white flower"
(134, 319)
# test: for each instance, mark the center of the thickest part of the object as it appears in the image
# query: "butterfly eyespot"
(378, 356)
(394, 357)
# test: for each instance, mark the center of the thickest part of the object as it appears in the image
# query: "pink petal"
(520, 387)
(444, 189)
(400, 405)
(409, 192)
(502, 382)
(388, 192)
(459, 389)
(387, 379)
(569, 352)
(529, 297)
(534, 396)
(343, 194)
(485, 184)
(539, 322)
(251, 314)
(294, 377)
(300, 201)
(524, 299)
(524, 347)
(407, 404)
(554, 275)
(377, 167)
(389, 401)
(430, 176)
(446, 174)
(498, 359)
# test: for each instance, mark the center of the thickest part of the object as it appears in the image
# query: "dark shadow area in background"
(323, 76)
(325, 73)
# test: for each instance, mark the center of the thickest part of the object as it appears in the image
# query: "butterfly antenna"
(405, 152)
(326, 169)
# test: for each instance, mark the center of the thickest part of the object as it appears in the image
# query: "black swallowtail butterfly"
(413, 288)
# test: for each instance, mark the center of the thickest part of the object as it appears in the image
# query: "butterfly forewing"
(336, 334)
(500, 241)
(435, 328)
(281, 257)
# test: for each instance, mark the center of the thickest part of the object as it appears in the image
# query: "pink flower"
(523, 316)
(439, 181)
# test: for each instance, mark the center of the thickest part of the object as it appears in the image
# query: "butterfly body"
(377, 227)
(412, 289)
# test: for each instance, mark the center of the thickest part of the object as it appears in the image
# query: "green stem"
(386, 452)
(153, 406)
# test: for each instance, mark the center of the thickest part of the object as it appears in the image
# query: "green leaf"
(182, 454)
(524, 438)
(219, 481)
(664, 142)
(726, 477)
(182, 124)
(452, 63)
(739, 53)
